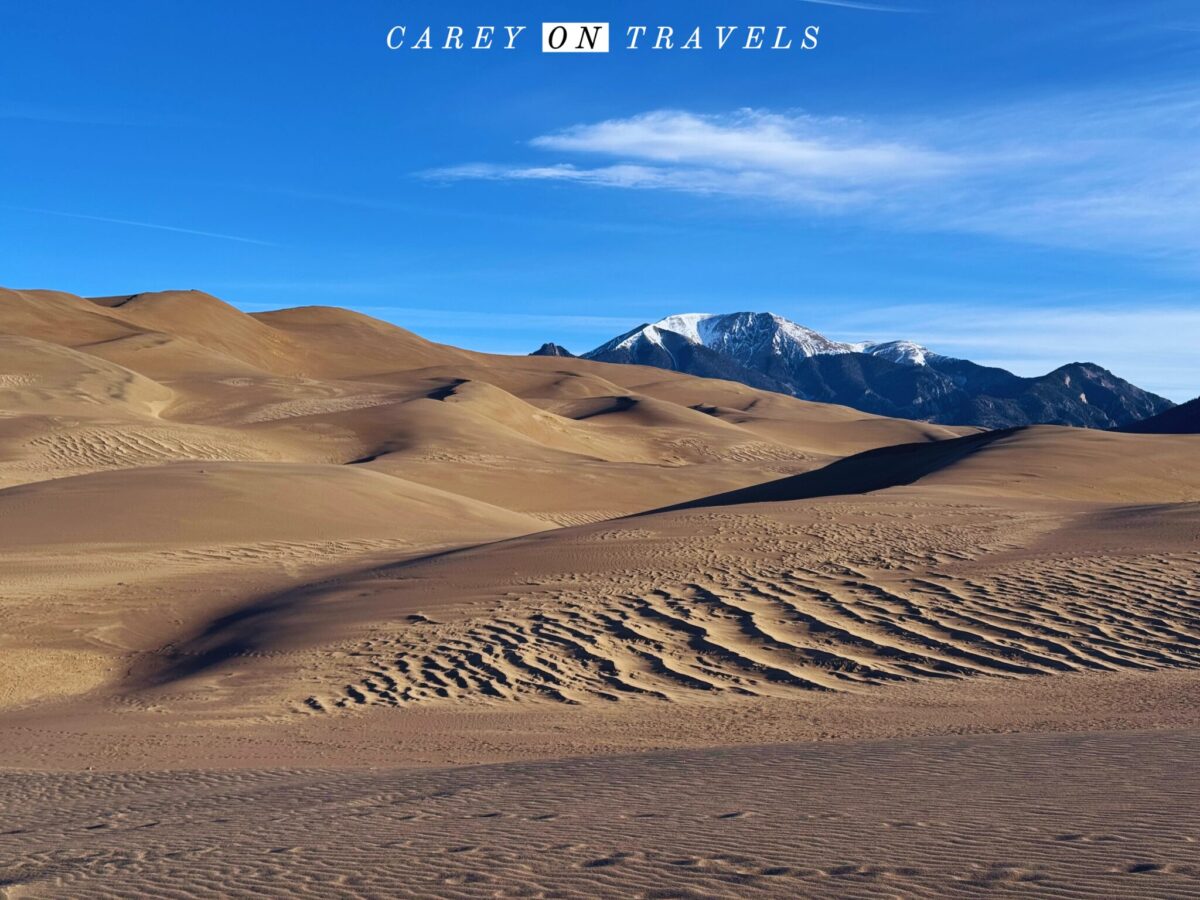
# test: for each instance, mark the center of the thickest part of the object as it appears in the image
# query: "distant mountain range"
(896, 378)
(1182, 419)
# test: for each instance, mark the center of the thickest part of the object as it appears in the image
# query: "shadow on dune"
(604, 406)
(286, 620)
(873, 470)
(291, 618)
(248, 631)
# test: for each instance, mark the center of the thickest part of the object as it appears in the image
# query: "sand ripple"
(1027, 815)
(774, 631)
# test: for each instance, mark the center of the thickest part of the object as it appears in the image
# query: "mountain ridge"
(1181, 419)
(896, 378)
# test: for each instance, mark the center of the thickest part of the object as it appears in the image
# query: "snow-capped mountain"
(894, 378)
(905, 352)
(748, 336)
(745, 335)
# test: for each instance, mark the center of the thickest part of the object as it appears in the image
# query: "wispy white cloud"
(151, 225)
(691, 180)
(750, 140)
(870, 7)
(747, 153)
(826, 163)
(1103, 171)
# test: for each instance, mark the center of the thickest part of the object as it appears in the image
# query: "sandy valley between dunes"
(300, 604)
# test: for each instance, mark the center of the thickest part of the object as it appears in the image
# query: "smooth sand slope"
(267, 577)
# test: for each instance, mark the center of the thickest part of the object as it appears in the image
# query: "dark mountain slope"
(1183, 419)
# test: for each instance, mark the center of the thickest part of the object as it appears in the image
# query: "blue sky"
(1015, 182)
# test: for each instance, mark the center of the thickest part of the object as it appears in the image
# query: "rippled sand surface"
(1114, 814)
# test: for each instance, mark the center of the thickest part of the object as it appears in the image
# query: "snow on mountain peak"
(743, 335)
(687, 324)
(905, 352)
(647, 332)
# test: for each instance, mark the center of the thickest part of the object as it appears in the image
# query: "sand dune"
(318, 385)
(187, 503)
(308, 538)
(1035, 462)
(751, 602)
(40, 378)
(58, 318)
(776, 596)
(183, 437)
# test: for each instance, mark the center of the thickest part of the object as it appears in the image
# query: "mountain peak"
(687, 324)
(742, 334)
(552, 349)
(905, 352)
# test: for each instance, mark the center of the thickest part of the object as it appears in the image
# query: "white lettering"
(513, 34)
(425, 41)
(594, 37)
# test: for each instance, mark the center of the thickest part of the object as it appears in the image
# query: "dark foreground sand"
(1048, 815)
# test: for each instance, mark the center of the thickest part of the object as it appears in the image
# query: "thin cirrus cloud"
(1111, 172)
(153, 226)
(868, 7)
